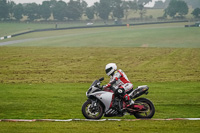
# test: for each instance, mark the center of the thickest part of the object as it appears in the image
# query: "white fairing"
(142, 86)
(104, 97)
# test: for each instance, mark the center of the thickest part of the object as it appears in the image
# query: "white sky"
(90, 2)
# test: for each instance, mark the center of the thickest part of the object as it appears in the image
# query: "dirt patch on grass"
(145, 45)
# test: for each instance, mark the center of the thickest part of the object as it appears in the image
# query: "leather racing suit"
(120, 82)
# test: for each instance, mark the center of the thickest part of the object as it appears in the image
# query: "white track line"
(68, 120)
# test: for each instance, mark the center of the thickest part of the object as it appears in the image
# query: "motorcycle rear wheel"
(150, 109)
(90, 113)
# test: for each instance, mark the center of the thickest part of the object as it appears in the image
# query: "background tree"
(96, 9)
(176, 7)
(104, 9)
(11, 6)
(118, 12)
(45, 9)
(193, 3)
(143, 2)
(196, 13)
(126, 8)
(182, 8)
(32, 11)
(59, 10)
(18, 11)
(159, 5)
(142, 10)
(74, 10)
(90, 12)
(171, 9)
(129, 6)
(4, 11)
(117, 8)
(84, 5)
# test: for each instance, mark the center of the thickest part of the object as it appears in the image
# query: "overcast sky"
(90, 2)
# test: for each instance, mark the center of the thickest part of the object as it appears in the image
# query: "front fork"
(94, 105)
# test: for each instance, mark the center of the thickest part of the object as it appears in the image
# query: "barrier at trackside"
(89, 26)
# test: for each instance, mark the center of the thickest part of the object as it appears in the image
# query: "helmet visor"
(108, 70)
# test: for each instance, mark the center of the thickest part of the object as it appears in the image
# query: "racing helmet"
(110, 68)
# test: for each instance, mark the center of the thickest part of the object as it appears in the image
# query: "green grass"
(14, 28)
(99, 127)
(48, 78)
(64, 101)
(163, 35)
(77, 65)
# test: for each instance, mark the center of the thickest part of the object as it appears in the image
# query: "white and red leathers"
(119, 81)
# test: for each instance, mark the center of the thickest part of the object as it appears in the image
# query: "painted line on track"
(68, 120)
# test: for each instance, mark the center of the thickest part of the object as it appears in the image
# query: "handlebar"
(101, 79)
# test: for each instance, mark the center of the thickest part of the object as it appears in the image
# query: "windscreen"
(94, 83)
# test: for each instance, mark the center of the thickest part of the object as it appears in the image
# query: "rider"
(120, 82)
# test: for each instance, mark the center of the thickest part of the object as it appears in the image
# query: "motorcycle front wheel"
(149, 109)
(90, 112)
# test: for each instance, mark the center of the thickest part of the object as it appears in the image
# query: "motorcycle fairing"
(104, 97)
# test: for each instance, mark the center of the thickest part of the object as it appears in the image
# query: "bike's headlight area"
(89, 90)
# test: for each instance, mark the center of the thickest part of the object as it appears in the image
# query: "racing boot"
(129, 102)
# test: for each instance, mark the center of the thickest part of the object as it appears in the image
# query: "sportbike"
(105, 103)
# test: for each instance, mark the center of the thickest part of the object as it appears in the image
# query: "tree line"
(164, 4)
(74, 10)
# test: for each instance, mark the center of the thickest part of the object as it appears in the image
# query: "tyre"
(92, 113)
(149, 109)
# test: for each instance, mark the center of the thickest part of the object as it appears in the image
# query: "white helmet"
(110, 68)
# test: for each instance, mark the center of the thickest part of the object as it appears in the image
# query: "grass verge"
(77, 65)
(64, 101)
(144, 126)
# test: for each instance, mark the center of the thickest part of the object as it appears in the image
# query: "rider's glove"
(102, 87)
(107, 86)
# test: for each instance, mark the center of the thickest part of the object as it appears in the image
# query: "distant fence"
(89, 26)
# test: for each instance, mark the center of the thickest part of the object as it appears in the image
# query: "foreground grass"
(64, 101)
(144, 126)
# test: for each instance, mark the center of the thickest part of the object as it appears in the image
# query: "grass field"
(75, 65)
(64, 101)
(99, 127)
(48, 78)
(162, 35)
(14, 28)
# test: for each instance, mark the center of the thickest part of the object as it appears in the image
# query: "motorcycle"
(104, 102)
